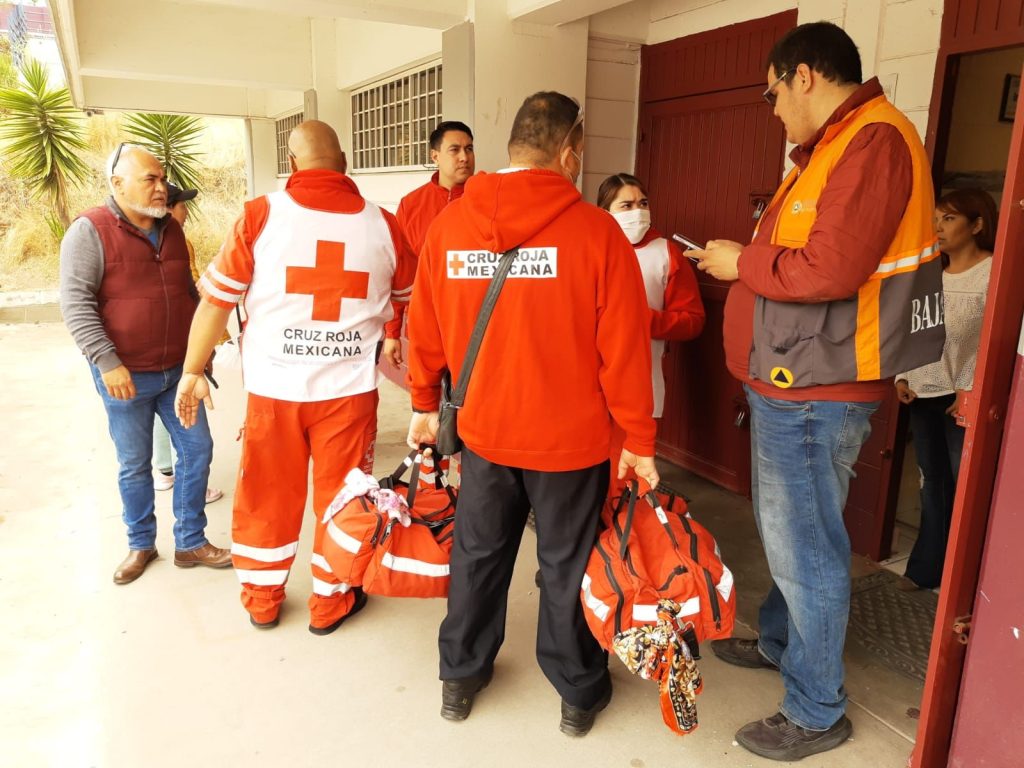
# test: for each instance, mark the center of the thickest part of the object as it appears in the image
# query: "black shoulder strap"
(459, 396)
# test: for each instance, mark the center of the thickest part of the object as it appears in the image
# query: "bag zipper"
(679, 570)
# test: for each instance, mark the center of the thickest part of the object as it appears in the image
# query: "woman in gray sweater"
(965, 222)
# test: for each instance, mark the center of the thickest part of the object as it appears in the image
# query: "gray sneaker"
(777, 738)
(741, 653)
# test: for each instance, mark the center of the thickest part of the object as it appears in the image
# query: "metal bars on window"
(392, 120)
(284, 128)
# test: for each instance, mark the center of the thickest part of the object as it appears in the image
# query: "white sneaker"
(212, 494)
(162, 482)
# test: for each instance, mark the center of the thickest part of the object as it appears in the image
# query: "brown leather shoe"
(132, 566)
(208, 555)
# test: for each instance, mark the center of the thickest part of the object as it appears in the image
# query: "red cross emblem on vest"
(328, 282)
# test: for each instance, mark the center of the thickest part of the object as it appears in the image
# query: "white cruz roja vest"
(654, 261)
(319, 297)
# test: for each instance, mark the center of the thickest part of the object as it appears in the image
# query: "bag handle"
(490, 300)
(414, 460)
(632, 490)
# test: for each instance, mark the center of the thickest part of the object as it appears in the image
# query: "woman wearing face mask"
(965, 223)
(677, 312)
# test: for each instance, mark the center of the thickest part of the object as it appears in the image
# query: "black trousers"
(494, 502)
(938, 443)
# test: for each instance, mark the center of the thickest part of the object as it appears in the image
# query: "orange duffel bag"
(654, 551)
(393, 538)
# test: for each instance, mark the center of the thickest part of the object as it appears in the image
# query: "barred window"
(392, 120)
(284, 130)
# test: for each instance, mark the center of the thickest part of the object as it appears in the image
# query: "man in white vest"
(319, 268)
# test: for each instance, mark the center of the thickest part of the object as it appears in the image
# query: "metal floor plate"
(894, 626)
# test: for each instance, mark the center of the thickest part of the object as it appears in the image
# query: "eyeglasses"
(577, 122)
(117, 156)
(770, 95)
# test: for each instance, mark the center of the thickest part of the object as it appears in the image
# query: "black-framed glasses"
(769, 95)
(117, 156)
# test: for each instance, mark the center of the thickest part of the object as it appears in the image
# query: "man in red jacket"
(567, 349)
(821, 314)
(451, 149)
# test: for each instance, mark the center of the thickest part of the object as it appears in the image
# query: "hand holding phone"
(691, 245)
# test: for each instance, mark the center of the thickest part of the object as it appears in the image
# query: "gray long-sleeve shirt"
(81, 274)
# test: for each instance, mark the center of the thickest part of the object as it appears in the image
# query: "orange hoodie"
(569, 339)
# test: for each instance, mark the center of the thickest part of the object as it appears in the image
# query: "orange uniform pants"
(279, 439)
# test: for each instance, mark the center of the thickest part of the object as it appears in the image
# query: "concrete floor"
(167, 671)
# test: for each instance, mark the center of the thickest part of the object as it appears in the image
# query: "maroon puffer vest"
(145, 299)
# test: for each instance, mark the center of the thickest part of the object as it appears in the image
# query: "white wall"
(513, 61)
(368, 50)
(613, 78)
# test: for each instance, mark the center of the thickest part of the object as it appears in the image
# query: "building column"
(510, 60)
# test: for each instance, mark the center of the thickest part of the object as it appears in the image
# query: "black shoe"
(265, 624)
(457, 695)
(741, 653)
(777, 738)
(357, 606)
(577, 721)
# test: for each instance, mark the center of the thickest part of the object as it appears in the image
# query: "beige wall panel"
(368, 50)
(910, 28)
(144, 96)
(608, 80)
(158, 40)
(610, 119)
(677, 18)
(914, 78)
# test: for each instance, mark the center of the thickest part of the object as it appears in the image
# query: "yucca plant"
(173, 139)
(43, 138)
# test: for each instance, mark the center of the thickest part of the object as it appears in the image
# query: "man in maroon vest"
(127, 297)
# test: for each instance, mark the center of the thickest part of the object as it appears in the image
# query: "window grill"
(392, 120)
(284, 127)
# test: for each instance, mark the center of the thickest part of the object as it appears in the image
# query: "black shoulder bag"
(448, 442)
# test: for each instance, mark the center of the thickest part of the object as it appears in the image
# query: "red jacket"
(147, 297)
(420, 207)
(569, 339)
(682, 318)
(861, 206)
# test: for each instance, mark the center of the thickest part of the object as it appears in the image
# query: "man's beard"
(153, 211)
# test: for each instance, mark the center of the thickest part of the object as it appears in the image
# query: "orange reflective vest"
(894, 321)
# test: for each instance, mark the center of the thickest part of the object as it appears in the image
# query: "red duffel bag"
(402, 550)
(652, 551)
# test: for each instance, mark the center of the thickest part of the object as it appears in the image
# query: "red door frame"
(986, 407)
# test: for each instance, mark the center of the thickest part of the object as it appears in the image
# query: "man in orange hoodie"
(567, 349)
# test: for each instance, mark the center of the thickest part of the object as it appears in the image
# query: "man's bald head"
(313, 144)
(542, 127)
(138, 183)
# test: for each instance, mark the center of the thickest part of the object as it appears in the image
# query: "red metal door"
(994, 668)
(704, 157)
(709, 151)
(986, 409)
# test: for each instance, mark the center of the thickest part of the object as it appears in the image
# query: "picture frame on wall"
(1008, 105)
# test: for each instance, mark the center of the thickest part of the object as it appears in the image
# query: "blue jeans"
(938, 443)
(802, 457)
(131, 428)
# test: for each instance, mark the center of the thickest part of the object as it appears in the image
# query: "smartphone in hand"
(692, 245)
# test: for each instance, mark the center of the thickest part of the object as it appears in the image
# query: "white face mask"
(634, 223)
